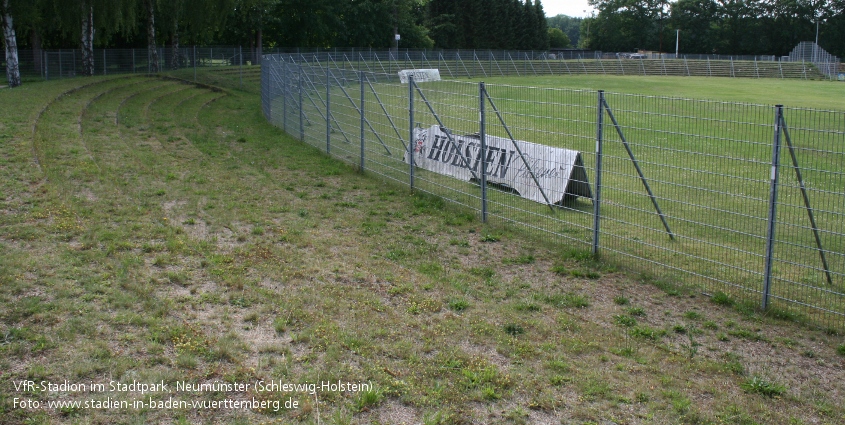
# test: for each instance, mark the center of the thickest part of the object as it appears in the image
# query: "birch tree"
(152, 51)
(13, 71)
(86, 18)
(87, 37)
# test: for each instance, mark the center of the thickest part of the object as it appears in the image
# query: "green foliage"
(636, 311)
(458, 304)
(646, 332)
(369, 398)
(514, 329)
(759, 385)
(729, 28)
(625, 321)
(722, 298)
(568, 25)
(491, 24)
(522, 259)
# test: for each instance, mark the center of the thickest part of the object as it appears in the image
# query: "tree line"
(85, 24)
(728, 27)
(488, 24)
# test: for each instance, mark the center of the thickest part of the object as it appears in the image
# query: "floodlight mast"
(677, 40)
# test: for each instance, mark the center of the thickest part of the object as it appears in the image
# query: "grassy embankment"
(153, 230)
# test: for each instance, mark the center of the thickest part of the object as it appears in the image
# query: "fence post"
(241, 66)
(104, 61)
(483, 136)
(597, 200)
(301, 112)
(361, 83)
(773, 195)
(285, 88)
(328, 111)
(411, 140)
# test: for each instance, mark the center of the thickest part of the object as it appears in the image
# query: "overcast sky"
(566, 7)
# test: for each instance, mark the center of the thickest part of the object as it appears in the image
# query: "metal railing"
(811, 52)
(739, 198)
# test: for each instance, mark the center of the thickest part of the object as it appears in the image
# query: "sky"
(566, 7)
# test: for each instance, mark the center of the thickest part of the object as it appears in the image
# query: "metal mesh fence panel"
(552, 117)
(705, 164)
(730, 197)
(809, 251)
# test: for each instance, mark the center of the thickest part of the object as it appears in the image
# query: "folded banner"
(420, 75)
(560, 172)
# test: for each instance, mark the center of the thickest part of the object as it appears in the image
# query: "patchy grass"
(188, 240)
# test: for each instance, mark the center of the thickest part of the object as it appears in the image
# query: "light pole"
(677, 40)
(816, 46)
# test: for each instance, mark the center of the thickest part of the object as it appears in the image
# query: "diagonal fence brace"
(639, 171)
(319, 111)
(386, 114)
(518, 150)
(444, 129)
(359, 112)
(806, 198)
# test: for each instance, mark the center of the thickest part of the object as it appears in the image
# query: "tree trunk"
(13, 71)
(88, 41)
(258, 52)
(36, 51)
(174, 46)
(152, 52)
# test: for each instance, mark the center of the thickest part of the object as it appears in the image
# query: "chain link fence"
(65, 63)
(730, 197)
(487, 63)
(62, 63)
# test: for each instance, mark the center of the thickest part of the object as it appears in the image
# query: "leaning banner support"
(543, 174)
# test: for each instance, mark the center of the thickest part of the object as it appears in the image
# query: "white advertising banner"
(420, 75)
(560, 172)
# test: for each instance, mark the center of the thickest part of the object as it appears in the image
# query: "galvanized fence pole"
(301, 112)
(361, 84)
(773, 196)
(328, 111)
(411, 141)
(241, 66)
(195, 62)
(597, 200)
(286, 82)
(483, 137)
(104, 61)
